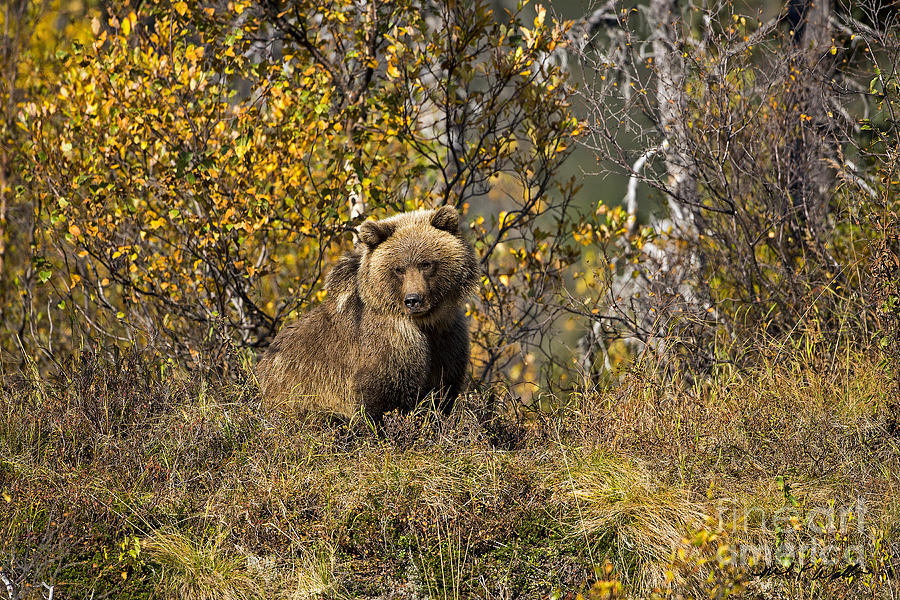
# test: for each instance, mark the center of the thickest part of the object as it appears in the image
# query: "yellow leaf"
(539, 17)
(126, 24)
(181, 7)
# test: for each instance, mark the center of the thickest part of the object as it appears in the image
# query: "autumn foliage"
(179, 176)
(190, 171)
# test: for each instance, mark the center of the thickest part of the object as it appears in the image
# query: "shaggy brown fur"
(391, 328)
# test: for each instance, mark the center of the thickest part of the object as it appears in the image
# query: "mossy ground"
(130, 481)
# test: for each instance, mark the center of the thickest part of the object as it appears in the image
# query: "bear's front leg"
(381, 389)
(392, 367)
(449, 358)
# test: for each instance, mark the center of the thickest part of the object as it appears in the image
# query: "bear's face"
(414, 281)
(416, 264)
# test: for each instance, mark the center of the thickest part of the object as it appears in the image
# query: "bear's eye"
(399, 271)
(425, 266)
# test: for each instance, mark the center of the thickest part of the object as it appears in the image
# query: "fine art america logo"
(792, 538)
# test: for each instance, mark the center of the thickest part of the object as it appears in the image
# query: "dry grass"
(641, 486)
(642, 518)
(199, 571)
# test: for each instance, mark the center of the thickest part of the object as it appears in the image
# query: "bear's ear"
(372, 233)
(446, 218)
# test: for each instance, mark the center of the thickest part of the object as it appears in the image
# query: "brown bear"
(391, 329)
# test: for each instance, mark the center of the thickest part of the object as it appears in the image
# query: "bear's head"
(416, 264)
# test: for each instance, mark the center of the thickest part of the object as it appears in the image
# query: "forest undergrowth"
(131, 479)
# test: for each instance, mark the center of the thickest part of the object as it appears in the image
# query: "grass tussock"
(199, 571)
(131, 480)
(641, 518)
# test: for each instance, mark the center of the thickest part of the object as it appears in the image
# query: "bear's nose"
(412, 301)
